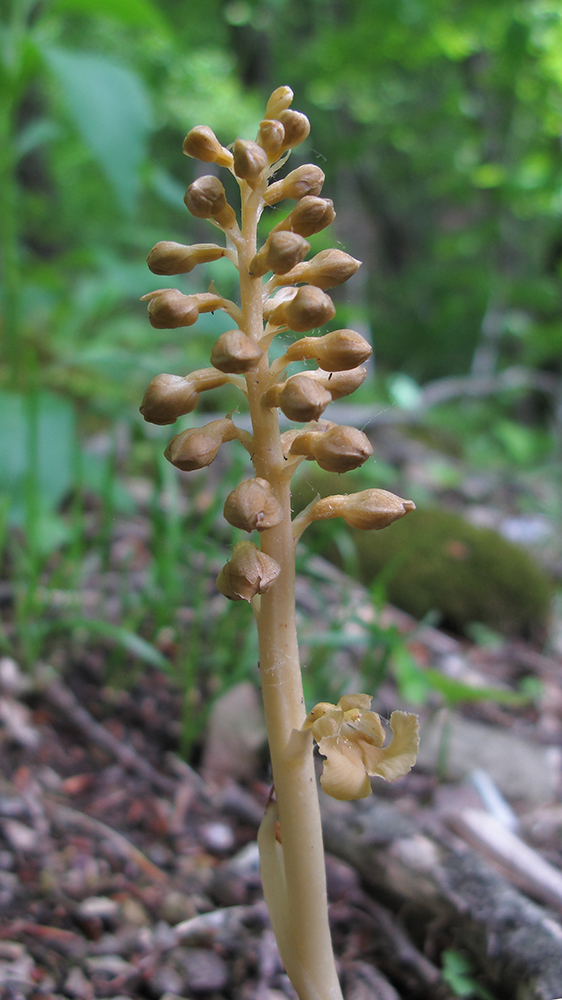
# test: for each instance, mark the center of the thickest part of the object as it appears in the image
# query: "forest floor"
(126, 872)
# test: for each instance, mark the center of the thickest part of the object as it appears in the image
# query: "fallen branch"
(64, 816)
(522, 865)
(516, 943)
(64, 700)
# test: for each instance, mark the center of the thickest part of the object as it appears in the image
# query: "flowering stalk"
(349, 735)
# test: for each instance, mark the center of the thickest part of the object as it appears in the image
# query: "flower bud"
(248, 573)
(301, 397)
(308, 309)
(279, 101)
(297, 128)
(341, 384)
(280, 253)
(310, 215)
(197, 447)
(326, 270)
(206, 199)
(250, 160)
(168, 308)
(235, 353)
(168, 397)
(305, 180)
(337, 351)
(370, 509)
(337, 449)
(270, 137)
(175, 258)
(202, 144)
(253, 505)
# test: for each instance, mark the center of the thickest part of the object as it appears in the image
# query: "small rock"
(177, 906)
(204, 970)
(16, 967)
(109, 965)
(12, 806)
(76, 985)
(235, 732)
(235, 881)
(165, 980)
(134, 912)
(164, 936)
(217, 837)
(160, 855)
(16, 719)
(19, 836)
(364, 982)
(9, 886)
(100, 907)
(521, 769)
(12, 679)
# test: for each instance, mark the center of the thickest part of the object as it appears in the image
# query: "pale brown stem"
(291, 759)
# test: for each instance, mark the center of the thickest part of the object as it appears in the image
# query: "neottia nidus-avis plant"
(281, 290)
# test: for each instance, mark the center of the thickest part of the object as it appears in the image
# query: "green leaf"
(42, 426)
(133, 643)
(413, 684)
(137, 13)
(457, 973)
(111, 110)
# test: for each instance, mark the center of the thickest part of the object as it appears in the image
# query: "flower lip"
(352, 739)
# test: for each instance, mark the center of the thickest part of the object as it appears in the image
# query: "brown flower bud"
(341, 384)
(337, 449)
(270, 137)
(175, 258)
(168, 397)
(250, 160)
(206, 199)
(280, 253)
(310, 308)
(197, 447)
(248, 573)
(370, 509)
(279, 101)
(337, 351)
(297, 127)
(326, 270)
(253, 505)
(305, 180)
(234, 352)
(310, 215)
(202, 144)
(168, 308)
(300, 398)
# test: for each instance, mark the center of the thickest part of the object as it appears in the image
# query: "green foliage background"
(438, 125)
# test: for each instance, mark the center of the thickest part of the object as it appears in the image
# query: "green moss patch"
(434, 560)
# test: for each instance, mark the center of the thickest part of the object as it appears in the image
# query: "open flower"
(352, 739)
